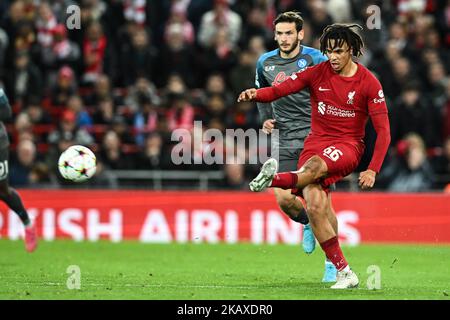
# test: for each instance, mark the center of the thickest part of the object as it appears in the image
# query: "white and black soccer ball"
(77, 163)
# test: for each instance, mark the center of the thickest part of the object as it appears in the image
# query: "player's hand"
(367, 179)
(247, 95)
(268, 126)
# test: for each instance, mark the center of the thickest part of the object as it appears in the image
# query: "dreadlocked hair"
(342, 33)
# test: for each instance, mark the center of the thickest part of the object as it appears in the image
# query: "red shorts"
(341, 157)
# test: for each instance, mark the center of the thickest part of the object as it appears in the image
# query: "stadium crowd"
(137, 70)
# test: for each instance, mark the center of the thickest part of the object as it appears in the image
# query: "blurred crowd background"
(138, 69)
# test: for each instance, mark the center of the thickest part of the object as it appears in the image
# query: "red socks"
(285, 180)
(333, 252)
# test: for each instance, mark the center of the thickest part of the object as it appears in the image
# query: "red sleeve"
(293, 84)
(378, 112)
(380, 122)
(375, 97)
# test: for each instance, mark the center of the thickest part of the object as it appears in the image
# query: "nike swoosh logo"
(323, 89)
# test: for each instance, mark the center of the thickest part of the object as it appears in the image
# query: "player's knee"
(316, 211)
(315, 167)
(286, 204)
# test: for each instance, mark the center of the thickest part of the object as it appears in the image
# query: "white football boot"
(264, 178)
(346, 280)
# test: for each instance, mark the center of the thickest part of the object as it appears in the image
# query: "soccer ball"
(77, 163)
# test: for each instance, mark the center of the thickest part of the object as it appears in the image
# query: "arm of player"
(380, 123)
(5, 108)
(293, 84)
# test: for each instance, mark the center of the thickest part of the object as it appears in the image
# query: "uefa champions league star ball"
(77, 163)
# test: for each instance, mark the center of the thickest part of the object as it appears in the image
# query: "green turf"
(132, 270)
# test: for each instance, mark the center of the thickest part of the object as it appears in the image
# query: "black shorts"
(4, 169)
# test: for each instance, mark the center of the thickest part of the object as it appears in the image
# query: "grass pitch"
(132, 270)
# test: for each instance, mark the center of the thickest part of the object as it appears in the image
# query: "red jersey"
(340, 106)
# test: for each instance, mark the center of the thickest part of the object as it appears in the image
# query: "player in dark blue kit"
(291, 115)
(7, 194)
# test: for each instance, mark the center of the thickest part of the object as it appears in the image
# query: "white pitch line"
(152, 285)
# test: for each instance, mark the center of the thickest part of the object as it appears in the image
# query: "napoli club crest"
(302, 63)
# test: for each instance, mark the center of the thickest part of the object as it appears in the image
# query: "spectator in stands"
(45, 24)
(145, 119)
(102, 90)
(319, 16)
(75, 104)
(413, 172)
(36, 113)
(220, 18)
(64, 87)
(441, 165)
(221, 56)
(142, 90)
(243, 115)
(41, 176)
(70, 132)
(180, 113)
(15, 16)
(121, 127)
(94, 53)
(23, 127)
(139, 59)
(256, 25)
(39, 119)
(216, 85)
(105, 112)
(412, 113)
(61, 52)
(437, 79)
(241, 76)
(23, 81)
(111, 152)
(178, 17)
(215, 108)
(177, 56)
(23, 163)
(155, 155)
(257, 47)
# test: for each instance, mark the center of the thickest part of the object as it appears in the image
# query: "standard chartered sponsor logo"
(335, 111)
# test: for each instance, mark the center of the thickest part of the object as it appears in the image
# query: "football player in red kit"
(344, 94)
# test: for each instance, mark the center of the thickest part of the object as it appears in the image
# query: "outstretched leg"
(10, 196)
(313, 170)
